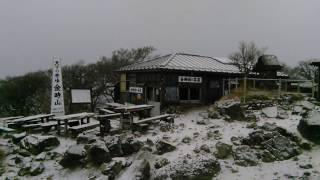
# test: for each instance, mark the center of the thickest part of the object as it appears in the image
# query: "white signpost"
(57, 101)
(189, 79)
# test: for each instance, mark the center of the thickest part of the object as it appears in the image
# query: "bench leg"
(88, 120)
(66, 127)
(58, 127)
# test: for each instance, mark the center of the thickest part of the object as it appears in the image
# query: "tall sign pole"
(57, 100)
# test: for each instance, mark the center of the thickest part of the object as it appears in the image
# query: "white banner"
(137, 90)
(189, 79)
(57, 101)
(80, 96)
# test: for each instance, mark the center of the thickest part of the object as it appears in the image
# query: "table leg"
(58, 127)
(66, 126)
(88, 120)
(42, 120)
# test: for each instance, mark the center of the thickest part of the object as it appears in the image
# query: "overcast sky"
(32, 31)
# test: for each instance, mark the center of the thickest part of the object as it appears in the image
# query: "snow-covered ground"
(187, 126)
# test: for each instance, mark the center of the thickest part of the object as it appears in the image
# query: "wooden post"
(244, 88)
(237, 83)
(254, 84)
(279, 87)
(223, 86)
(229, 86)
(312, 87)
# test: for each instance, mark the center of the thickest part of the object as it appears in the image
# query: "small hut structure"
(267, 67)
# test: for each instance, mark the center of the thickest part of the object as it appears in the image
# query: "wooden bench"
(5, 129)
(142, 125)
(105, 111)
(78, 129)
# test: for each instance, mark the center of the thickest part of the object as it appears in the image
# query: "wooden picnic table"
(113, 105)
(128, 111)
(10, 118)
(24, 120)
(66, 118)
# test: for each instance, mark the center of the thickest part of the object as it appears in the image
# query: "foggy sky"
(32, 31)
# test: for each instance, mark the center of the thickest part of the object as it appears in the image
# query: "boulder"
(198, 167)
(37, 144)
(98, 152)
(234, 111)
(223, 150)
(270, 112)
(165, 126)
(309, 127)
(307, 105)
(245, 156)
(282, 114)
(130, 145)
(266, 156)
(139, 170)
(86, 138)
(164, 147)
(114, 145)
(112, 169)
(281, 147)
(36, 168)
(74, 156)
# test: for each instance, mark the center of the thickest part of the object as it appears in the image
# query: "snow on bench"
(83, 127)
(5, 129)
(148, 120)
(106, 111)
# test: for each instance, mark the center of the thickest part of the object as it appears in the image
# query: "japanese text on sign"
(57, 100)
(189, 79)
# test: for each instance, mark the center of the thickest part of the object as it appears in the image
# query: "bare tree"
(305, 70)
(247, 56)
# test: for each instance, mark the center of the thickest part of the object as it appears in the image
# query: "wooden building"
(175, 79)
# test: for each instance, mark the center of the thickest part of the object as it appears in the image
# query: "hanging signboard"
(57, 100)
(189, 79)
(136, 90)
(80, 95)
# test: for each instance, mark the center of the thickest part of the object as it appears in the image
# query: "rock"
(36, 168)
(16, 138)
(98, 152)
(51, 155)
(114, 145)
(223, 150)
(235, 140)
(214, 134)
(281, 147)
(297, 110)
(254, 138)
(164, 147)
(139, 169)
(282, 114)
(37, 144)
(74, 156)
(112, 169)
(306, 166)
(266, 156)
(25, 169)
(199, 167)
(130, 145)
(270, 112)
(24, 153)
(41, 157)
(233, 110)
(245, 156)
(205, 148)
(161, 163)
(310, 127)
(252, 125)
(86, 138)
(307, 105)
(149, 142)
(306, 145)
(165, 126)
(202, 122)
(186, 139)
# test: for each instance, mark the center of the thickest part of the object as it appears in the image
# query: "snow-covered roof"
(182, 61)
